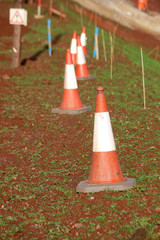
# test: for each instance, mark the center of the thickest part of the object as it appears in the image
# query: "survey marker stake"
(49, 37)
(96, 50)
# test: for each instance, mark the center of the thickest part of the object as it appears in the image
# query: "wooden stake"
(114, 32)
(157, 53)
(66, 6)
(144, 95)
(104, 47)
(81, 17)
(50, 7)
(154, 49)
(91, 16)
(30, 2)
(111, 54)
(17, 29)
(95, 20)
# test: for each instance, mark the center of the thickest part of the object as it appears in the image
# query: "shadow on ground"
(37, 54)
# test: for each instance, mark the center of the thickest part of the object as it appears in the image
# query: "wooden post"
(16, 54)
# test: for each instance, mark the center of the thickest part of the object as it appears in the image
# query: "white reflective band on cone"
(80, 56)
(83, 39)
(103, 139)
(70, 81)
(73, 47)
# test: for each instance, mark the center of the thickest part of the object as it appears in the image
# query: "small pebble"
(78, 225)
(157, 209)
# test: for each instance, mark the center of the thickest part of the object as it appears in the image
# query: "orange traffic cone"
(81, 67)
(73, 47)
(143, 5)
(71, 102)
(105, 170)
(83, 39)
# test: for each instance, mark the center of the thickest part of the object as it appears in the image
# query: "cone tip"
(101, 104)
(78, 41)
(84, 29)
(68, 57)
(74, 34)
(100, 88)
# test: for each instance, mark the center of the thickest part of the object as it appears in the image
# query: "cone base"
(71, 111)
(86, 78)
(38, 16)
(85, 187)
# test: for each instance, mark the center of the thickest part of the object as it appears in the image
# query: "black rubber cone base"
(71, 111)
(85, 187)
(86, 78)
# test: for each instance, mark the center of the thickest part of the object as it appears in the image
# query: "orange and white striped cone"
(73, 47)
(71, 102)
(105, 169)
(83, 39)
(81, 67)
(143, 5)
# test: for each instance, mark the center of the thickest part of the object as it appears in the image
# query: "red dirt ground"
(5, 87)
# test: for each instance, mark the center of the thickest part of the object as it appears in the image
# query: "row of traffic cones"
(105, 169)
(79, 53)
(71, 103)
(73, 46)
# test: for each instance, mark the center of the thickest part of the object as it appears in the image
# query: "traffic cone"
(105, 169)
(71, 102)
(39, 16)
(83, 39)
(81, 67)
(143, 5)
(73, 47)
